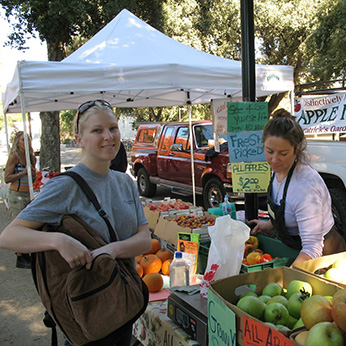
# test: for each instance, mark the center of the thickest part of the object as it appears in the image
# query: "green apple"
(264, 298)
(249, 293)
(298, 324)
(296, 286)
(335, 274)
(271, 325)
(276, 313)
(341, 263)
(323, 334)
(295, 302)
(291, 322)
(252, 305)
(282, 328)
(272, 289)
(329, 298)
(278, 299)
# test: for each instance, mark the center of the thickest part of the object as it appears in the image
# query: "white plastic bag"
(226, 250)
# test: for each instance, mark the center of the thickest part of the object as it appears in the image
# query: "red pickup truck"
(161, 155)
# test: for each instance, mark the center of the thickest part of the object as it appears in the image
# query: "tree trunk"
(50, 141)
(50, 137)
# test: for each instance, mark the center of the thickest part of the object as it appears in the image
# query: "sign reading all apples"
(257, 333)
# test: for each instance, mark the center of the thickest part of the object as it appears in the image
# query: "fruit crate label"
(257, 333)
(221, 322)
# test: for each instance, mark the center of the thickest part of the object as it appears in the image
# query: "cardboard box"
(152, 217)
(168, 230)
(319, 265)
(249, 330)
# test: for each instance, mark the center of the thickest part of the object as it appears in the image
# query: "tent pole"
(191, 152)
(7, 136)
(26, 138)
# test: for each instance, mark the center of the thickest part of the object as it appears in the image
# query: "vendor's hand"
(261, 226)
(74, 252)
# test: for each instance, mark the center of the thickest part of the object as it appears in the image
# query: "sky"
(8, 56)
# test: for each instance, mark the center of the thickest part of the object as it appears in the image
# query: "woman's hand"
(74, 252)
(261, 226)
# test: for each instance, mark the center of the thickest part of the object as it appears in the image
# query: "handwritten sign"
(245, 146)
(257, 333)
(324, 114)
(250, 177)
(221, 322)
(246, 116)
(219, 115)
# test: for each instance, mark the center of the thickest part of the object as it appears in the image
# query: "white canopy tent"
(131, 64)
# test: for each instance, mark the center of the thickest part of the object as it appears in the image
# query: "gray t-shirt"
(116, 192)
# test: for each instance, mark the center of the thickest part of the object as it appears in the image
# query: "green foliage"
(66, 125)
(328, 42)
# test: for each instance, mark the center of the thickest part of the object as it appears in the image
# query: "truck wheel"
(213, 193)
(339, 208)
(145, 187)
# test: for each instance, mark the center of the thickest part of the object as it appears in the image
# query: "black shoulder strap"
(90, 194)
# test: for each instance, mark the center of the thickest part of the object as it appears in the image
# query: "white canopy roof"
(131, 64)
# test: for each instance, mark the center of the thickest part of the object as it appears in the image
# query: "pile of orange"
(152, 264)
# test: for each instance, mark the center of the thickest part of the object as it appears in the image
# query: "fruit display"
(324, 317)
(254, 255)
(153, 264)
(336, 271)
(40, 177)
(165, 206)
(192, 221)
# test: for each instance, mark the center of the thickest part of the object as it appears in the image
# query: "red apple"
(316, 309)
(339, 310)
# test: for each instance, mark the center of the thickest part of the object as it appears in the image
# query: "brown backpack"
(91, 307)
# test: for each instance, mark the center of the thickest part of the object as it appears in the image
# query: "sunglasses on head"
(89, 104)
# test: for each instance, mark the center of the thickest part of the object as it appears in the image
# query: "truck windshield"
(203, 133)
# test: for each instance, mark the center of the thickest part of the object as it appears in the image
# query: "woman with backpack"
(97, 133)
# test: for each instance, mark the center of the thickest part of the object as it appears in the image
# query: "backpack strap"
(91, 196)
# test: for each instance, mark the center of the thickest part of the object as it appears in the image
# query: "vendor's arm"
(23, 236)
(261, 226)
(301, 258)
(131, 247)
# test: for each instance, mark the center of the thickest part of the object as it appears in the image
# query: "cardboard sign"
(246, 116)
(219, 115)
(324, 114)
(245, 146)
(256, 333)
(250, 177)
(221, 322)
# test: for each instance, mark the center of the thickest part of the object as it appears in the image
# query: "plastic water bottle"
(178, 271)
(226, 206)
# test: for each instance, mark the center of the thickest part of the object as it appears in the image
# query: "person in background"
(98, 135)
(16, 174)
(299, 203)
(119, 163)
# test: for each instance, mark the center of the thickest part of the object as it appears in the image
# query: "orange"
(138, 258)
(253, 257)
(151, 264)
(139, 269)
(155, 246)
(165, 266)
(164, 254)
(154, 282)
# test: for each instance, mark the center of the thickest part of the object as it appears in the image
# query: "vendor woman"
(299, 203)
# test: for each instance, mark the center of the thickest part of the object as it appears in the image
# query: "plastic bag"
(226, 250)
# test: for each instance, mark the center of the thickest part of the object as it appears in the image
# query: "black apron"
(277, 214)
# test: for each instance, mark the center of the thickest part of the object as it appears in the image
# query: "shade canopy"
(131, 64)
